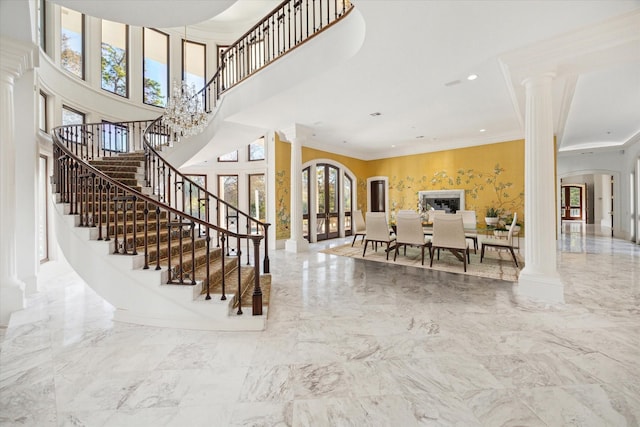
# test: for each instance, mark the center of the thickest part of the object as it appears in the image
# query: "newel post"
(257, 292)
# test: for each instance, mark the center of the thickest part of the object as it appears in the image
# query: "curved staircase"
(153, 243)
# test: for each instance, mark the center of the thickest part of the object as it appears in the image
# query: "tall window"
(156, 67)
(228, 191)
(257, 201)
(43, 251)
(229, 157)
(72, 41)
(115, 137)
(194, 204)
(42, 19)
(71, 116)
(256, 150)
(42, 112)
(193, 64)
(114, 57)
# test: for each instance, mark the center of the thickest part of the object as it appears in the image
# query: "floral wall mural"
(283, 218)
(490, 175)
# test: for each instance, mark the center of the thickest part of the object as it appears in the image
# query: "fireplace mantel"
(448, 200)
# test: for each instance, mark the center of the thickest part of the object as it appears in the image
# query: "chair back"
(409, 229)
(358, 222)
(448, 232)
(469, 219)
(433, 213)
(513, 225)
(377, 227)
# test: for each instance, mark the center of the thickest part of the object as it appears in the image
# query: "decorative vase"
(491, 220)
(500, 233)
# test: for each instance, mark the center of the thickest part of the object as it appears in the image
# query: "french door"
(327, 202)
(571, 202)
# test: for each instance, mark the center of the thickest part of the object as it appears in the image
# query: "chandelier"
(184, 113)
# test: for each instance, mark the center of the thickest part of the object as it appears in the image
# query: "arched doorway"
(327, 199)
(598, 191)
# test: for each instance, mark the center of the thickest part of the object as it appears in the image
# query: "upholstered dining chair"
(409, 233)
(377, 231)
(470, 223)
(433, 213)
(498, 243)
(448, 233)
(359, 226)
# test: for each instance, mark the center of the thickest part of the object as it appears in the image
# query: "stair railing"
(286, 27)
(179, 191)
(96, 197)
(137, 222)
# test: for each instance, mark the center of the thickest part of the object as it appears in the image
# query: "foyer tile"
(347, 343)
(501, 407)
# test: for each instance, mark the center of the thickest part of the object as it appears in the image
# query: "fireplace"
(450, 201)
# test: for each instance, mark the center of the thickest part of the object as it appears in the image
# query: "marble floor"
(348, 343)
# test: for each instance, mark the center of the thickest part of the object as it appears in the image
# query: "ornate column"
(296, 242)
(539, 280)
(15, 59)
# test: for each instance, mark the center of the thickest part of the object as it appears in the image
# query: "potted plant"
(492, 216)
(501, 232)
(508, 220)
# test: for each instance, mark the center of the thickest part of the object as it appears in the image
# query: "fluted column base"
(11, 298)
(296, 245)
(534, 286)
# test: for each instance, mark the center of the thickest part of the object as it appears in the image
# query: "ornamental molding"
(17, 57)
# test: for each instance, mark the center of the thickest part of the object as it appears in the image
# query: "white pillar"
(11, 289)
(539, 280)
(296, 242)
(26, 184)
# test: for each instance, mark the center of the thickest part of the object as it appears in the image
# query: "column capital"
(538, 78)
(294, 133)
(16, 58)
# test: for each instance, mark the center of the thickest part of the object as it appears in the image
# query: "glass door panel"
(305, 202)
(328, 202)
(346, 190)
(571, 202)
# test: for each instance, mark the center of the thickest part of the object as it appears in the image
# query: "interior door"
(571, 202)
(328, 202)
(377, 195)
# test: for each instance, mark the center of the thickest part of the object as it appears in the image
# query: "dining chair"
(377, 231)
(448, 233)
(409, 233)
(498, 243)
(470, 224)
(359, 226)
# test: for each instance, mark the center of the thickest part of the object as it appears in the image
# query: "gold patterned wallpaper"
(490, 175)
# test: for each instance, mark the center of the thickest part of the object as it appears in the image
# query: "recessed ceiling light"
(419, 136)
(393, 146)
(472, 76)
(452, 83)
(483, 130)
(375, 114)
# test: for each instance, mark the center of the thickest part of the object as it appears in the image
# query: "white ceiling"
(412, 69)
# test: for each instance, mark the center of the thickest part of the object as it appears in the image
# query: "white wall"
(620, 163)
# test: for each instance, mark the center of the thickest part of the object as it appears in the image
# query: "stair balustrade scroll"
(96, 182)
